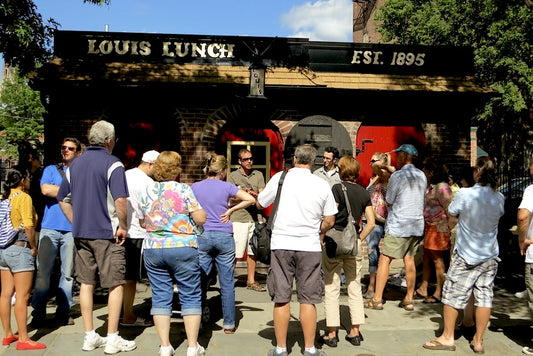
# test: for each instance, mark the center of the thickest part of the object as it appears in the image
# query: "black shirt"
(359, 200)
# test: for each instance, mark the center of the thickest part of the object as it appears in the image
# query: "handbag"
(342, 243)
(260, 240)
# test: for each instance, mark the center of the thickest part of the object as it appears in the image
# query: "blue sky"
(318, 20)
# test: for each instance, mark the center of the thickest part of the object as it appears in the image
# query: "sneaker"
(200, 351)
(93, 343)
(167, 351)
(318, 353)
(527, 350)
(119, 345)
(274, 353)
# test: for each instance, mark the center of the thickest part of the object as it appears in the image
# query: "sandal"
(255, 286)
(374, 304)
(409, 306)
(431, 300)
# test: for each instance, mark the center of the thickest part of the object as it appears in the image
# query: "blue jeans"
(166, 265)
(220, 246)
(372, 241)
(51, 244)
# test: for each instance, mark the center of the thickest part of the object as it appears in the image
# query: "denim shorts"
(16, 259)
(179, 264)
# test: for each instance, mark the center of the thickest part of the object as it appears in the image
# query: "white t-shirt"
(305, 200)
(527, 203)
(137, 181)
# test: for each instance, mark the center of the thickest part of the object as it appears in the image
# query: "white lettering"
(356, 59)
(166, 53)
(106, 47)
(134, 47)
(211, 50)
(92, 48)
(182, 49)
(125, 47)
(144, 47)
(198, 50)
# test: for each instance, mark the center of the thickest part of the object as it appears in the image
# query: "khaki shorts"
(242, 232)
(302, 266)
(399, 247)
(105, 257)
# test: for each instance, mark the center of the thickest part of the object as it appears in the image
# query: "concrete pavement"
(392, 331)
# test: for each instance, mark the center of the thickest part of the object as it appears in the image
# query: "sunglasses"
(374, 160)
(70, 148)
(247, 159)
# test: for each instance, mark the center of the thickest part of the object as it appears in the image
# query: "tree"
(24, 38)
(500, 33)
(21, 115)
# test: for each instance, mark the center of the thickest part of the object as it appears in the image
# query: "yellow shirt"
(22, 210)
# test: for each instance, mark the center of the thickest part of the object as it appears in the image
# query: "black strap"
(59, 167)
(276, 201)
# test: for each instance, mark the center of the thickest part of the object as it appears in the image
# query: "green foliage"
(500, 33)
(21, 115)
(24, 38)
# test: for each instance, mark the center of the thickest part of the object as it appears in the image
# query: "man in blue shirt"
(404, 229)
(55, 239)
(93, 196)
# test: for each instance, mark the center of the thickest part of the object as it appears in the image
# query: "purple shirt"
(213, 195)
(95, 180)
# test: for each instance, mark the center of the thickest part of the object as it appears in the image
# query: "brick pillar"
(473, 145)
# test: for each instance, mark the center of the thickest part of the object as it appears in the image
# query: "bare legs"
(307, 319)
(436, 257)
(20, 283)
(114, 305)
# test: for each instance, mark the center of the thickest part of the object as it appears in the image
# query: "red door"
(371, 139)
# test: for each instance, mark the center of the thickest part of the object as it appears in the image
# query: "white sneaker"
(200, 351)
(119, 345)
(93, 343)
(167, 351)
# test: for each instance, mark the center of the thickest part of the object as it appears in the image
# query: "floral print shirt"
(165, 208)
(436, 201)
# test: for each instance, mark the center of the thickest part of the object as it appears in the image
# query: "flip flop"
(431, 300)
(140, 322)
(255, 286)
(419, 295)
(437, 346)
(409, 306)
(372, 304)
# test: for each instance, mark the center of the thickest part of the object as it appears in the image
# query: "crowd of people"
(107, 224)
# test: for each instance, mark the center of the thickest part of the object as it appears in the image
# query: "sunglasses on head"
(70, 148)
(247, 159)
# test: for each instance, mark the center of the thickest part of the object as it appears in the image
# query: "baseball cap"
(150, 156)
(407, 148)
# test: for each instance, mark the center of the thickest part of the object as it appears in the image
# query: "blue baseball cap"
(407, 148)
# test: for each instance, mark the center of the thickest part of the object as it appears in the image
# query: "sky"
(318, 20)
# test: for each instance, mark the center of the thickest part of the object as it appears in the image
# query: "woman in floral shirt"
(170, 212)
(437, 227)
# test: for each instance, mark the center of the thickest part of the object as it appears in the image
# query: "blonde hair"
(215, 163)
(385, 157)
(167, 166)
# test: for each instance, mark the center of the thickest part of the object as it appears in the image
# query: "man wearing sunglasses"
(55, 239)
(329, 171)
(253, 182)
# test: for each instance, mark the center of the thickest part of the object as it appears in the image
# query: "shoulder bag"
(342, 243)
(260, 240)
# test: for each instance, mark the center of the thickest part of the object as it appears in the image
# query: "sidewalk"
(392, 331)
